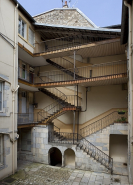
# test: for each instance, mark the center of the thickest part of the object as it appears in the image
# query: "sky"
(102, 13)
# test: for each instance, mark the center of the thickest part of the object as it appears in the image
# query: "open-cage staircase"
(58, 107)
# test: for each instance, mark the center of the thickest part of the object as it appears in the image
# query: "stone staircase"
(84, 147)
(101, 138)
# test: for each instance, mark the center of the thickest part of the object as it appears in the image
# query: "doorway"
(55, 157)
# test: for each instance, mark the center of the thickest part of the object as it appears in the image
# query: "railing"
(49, 110)
(63, 62)
(57, 93)
(26, 75)
(26, 118)
(102, 123)
(67, 42)
(89, 148)
(86, 72)
(55, 107)
(56, 129)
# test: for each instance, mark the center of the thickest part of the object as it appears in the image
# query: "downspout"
(13, 88)
(130, 66)
(86, 101)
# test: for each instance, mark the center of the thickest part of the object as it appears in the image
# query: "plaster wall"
(7, 28)
(101, 99)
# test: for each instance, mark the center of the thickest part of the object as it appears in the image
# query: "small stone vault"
(40, 149)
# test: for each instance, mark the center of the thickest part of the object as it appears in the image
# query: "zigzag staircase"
(63, 69)
(58, 107)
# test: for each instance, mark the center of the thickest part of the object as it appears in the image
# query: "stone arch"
(69, 157)
(55, 157)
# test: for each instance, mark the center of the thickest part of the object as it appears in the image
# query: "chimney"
(65, 5)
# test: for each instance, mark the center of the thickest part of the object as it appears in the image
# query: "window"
(1, 96)
(1, 149)
(31, 37)
(22, 27)
(24, 71)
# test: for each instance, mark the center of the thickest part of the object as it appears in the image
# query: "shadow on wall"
(118, 148)
(55, 157)
(69, 156)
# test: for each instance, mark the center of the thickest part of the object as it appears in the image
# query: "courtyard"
(41, 174)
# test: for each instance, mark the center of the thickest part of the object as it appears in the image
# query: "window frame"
(20, 19)
(1, 110)
(2, 149)
(32, 45)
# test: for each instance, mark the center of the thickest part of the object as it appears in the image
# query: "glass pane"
(0, 96)
(19, 27)
(0, 86)
(23, 29)
(0, 106)
(31, 37)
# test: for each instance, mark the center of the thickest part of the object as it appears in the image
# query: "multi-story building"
(127, 39)
(72, 100)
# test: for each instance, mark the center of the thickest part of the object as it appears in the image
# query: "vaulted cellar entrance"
(69, 156)
(55, 157)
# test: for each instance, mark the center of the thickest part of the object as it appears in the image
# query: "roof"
(21, 8)
(124, 23)
(118, 26)
(82, 28)
(66, 9)
(56, 31)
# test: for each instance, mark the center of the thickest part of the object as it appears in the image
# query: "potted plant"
(121, 111)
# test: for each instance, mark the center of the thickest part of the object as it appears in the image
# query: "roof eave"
(21, 8)
(79, 28)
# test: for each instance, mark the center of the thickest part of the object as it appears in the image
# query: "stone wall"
(66, 17)
(101, 138)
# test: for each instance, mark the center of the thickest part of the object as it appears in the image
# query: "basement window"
(1, 96)
(1, 150)
(22, 28)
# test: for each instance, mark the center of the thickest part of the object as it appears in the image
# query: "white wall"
(102, 99)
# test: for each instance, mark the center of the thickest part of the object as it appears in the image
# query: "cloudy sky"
(102, 13)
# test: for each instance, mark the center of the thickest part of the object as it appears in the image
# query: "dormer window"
(22, 28)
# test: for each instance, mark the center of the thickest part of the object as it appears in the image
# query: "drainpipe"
(13, 88)
(130, 71)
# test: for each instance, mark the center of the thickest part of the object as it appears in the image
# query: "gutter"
(21, 8)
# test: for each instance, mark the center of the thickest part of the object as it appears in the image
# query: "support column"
(74, 121)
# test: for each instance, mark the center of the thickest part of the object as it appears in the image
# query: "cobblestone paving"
(41, 174)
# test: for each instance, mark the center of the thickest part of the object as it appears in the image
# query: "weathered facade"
(72, 80)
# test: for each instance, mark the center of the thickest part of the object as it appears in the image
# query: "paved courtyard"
(41, 174)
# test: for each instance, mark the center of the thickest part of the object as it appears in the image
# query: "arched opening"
(55, 157)
(69, 156)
